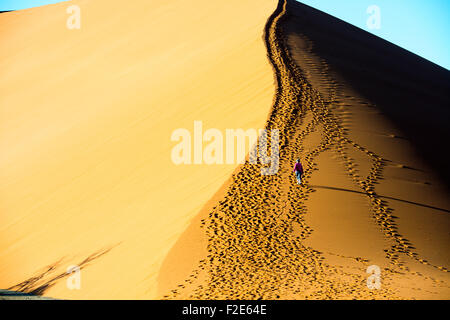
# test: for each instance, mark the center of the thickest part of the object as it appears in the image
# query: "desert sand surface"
(368, 121)
(87, 177)
(86, 122)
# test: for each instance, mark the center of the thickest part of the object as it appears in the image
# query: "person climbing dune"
(298, 170)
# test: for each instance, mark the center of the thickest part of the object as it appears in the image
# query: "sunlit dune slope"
(86, 121)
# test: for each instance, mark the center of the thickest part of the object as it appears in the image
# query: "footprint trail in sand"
(256, 234)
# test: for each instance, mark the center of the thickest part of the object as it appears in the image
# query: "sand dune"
(87, 179)
(87, 116)
(368, 198)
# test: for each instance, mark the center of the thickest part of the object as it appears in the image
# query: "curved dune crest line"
(259, 239)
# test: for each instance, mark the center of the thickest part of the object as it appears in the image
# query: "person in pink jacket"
(298, 170)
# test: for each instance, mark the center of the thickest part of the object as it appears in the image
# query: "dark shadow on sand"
(45, 279)
(411, 91)
(381, 196)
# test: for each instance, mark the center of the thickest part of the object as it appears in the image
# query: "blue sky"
(420, 26)
(23, 4)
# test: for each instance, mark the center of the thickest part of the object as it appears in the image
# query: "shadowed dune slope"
(86, 120)
(410, 91)
(367, 120)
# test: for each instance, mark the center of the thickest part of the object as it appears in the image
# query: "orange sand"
(367, 198)
(87, 117)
